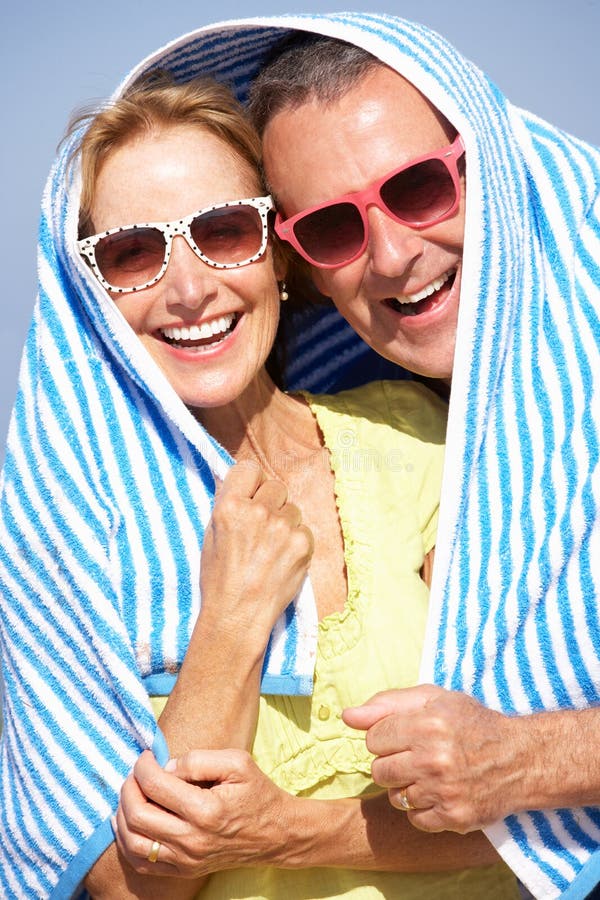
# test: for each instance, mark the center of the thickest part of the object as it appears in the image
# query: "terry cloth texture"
(108, 479)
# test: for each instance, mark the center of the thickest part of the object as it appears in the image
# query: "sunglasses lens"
(233, 234)
(331, 235)
(131, 257)
(420, 194)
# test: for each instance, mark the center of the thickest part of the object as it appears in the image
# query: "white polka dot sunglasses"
(133, 257)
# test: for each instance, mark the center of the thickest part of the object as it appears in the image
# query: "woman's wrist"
(310, 830)
(214, 702)
(246, 635)
(369, 834)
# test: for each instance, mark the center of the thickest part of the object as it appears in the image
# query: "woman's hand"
(238, 821)
(244, 820)
(256, 553)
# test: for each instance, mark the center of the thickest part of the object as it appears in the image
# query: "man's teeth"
(200, 332)
(427, 291)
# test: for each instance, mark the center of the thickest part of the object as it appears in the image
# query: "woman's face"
(162, 177)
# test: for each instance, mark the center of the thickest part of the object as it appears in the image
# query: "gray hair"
(302, 66)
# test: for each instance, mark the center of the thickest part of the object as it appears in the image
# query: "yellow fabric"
(386, 445)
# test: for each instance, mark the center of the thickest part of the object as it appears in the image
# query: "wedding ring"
(154, 851)
(405, 802)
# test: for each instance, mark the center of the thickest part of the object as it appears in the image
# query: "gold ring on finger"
(154, 851)
(405, 802)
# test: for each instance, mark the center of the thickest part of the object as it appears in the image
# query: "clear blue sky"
(56, 55)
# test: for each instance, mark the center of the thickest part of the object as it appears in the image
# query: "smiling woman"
(221, 275)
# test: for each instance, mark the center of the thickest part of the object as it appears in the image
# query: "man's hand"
(457, 764)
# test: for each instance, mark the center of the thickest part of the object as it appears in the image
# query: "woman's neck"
(265, 424)
(280, 432)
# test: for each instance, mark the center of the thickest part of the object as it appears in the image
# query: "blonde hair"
(156, 101)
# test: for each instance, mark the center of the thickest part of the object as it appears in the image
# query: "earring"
(283, 294)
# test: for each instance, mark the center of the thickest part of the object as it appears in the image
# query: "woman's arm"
(427, 567)
(255, 556)
(244, 819)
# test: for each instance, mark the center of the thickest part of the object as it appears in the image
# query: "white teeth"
(200, 332)
(428, 290)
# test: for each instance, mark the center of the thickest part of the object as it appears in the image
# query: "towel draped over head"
(108, 481)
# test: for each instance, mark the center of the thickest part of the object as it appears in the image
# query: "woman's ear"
(281, 258)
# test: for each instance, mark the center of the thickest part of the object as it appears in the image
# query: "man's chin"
(426, 363)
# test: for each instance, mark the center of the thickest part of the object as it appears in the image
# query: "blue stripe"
(501, 619)
(520, 386)
(574, 828)
(302, 685)
(159, 684)
(206, 482)
(587, 880)
(461, 623)
(519, 835)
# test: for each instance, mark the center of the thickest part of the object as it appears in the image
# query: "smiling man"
(389, 255)
(409, 202)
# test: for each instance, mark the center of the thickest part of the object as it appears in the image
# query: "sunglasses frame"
(370, 196)
(171, 230)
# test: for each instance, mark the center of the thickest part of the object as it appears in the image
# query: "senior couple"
(459, 237)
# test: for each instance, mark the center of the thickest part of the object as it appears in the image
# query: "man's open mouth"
(426, 298)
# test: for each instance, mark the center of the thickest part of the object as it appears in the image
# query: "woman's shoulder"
(406, 406)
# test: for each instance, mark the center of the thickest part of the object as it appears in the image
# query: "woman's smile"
(202, 337)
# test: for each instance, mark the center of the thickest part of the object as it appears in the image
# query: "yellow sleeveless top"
(386, 442)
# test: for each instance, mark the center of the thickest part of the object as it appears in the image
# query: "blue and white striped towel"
(514, 614)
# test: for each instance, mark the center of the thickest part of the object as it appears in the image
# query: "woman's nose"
(188, 281)
(392, 247)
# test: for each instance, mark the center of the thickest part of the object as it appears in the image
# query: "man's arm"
(463, 766)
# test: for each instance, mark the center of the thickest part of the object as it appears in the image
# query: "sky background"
(58, 55)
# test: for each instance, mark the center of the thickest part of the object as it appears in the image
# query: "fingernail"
(171, 765)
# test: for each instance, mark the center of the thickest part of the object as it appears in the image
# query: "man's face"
(402, 294)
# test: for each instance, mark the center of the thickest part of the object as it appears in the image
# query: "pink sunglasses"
(419, 194)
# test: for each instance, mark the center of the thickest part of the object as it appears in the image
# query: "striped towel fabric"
(108, 481)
